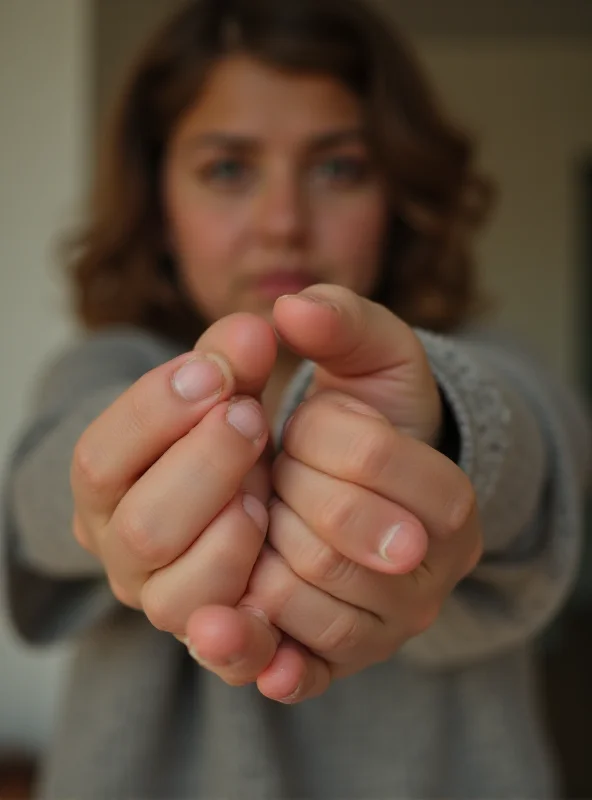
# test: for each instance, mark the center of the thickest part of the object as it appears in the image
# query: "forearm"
(40, 497)
(55, 588)
(528, 473)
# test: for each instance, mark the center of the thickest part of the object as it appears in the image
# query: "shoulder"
(115, 355)
(118, 345)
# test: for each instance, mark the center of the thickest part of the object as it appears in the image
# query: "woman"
(281, 186)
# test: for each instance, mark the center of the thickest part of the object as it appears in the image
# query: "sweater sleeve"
(54, 588)
(525, 445)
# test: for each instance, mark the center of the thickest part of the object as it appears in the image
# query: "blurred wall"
(44, 76)
(526, 97)
(528, 101)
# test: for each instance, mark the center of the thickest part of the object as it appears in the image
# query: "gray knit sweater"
(452, 715)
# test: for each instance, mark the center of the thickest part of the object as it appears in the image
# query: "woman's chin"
(255, 304)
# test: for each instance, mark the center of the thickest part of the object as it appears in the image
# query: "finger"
(364, 350)
(178, 497)
(164, 405)
(336, 631)
(360, 524)
(248, 343)
(82, 535)
(215, 570)
(321, 565)
(395, 600)
(140, 425)
(294, 675)
(237, 644)
(347, 335)
(339, 436)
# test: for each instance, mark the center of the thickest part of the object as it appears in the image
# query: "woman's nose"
(281, 209)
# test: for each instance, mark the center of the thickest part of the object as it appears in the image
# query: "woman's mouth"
(275, 283)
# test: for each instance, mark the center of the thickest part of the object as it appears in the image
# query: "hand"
(158, 480)
(362, 349)
(344, 573)
(346, 480)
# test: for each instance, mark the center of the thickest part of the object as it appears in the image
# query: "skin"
(271, 173)
(369, 528)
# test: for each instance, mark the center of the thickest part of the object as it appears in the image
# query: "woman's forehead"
(250, 100)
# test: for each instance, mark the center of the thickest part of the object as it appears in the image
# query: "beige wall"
(44, 74)
(529, 103)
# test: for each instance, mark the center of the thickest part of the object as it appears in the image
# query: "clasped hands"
(295, 570)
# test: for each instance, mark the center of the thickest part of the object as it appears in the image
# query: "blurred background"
(517, 72)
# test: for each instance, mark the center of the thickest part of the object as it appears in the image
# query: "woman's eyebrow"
(227, 141)
(234, 141)
(335, 138)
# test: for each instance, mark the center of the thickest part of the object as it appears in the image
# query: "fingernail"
(198, 379)
(397, 543)
(260, 614)
(257, 511)
(207, 664)
(291, 697)
(312, 298)
(246, 417)
(201, 661)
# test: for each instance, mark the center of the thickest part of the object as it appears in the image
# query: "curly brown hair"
(118, 264)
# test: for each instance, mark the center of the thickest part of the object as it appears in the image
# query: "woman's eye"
(344, 170)
(227, 172)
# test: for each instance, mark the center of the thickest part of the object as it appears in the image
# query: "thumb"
(345, 334)
(364, 350)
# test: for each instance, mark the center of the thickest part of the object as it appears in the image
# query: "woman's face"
(269, 187)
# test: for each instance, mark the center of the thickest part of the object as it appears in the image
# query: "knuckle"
(86, 469)
(140, 408)
(134, 533)
(335, 514)
(341, 636)
(369, 456)
(327, 566)
(215, 463)
(424, 618)
(461, 508)
(271, 586)
(123, 594)
(158, 608)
